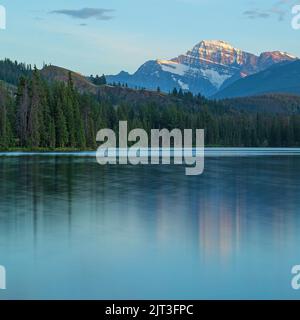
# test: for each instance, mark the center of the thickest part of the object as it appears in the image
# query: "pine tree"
(58, 116)
(5, 130)
(48, 133)
(23, 105)
(74, 120)
(35, 115)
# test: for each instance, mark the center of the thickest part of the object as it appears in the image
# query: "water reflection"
(149, 231)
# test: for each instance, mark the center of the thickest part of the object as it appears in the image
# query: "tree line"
(55, 115)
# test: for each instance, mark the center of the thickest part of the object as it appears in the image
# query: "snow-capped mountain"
(208, 67)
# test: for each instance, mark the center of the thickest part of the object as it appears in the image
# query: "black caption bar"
(146, 309)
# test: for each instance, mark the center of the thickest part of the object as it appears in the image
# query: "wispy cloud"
(279, 9)
(86, 13)
(256, 13)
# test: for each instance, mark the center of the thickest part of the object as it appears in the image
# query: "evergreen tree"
(35, 123)
(60, 126)
(5, 126)
(23, 106)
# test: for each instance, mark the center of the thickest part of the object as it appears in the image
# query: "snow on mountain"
(173, 67)
(208, 67)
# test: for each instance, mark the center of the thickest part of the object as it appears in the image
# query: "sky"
(100, 36)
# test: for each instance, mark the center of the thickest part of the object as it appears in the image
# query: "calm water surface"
(70, 228)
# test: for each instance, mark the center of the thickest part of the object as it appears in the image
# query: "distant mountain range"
(266, 103)
(280, 78)
(208, 68)
(275, 90)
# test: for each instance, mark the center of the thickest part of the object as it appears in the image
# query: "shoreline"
(75, 150)
(208, 152)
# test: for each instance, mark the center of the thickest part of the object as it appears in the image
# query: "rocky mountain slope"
(280, 78)
(208, 67)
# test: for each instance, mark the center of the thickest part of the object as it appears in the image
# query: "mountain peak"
(208, 67)
(214, 52)
(215, 43)
(278, 54)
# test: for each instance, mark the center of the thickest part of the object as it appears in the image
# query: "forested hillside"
(268, 103)
(43, 114)
(11, 71)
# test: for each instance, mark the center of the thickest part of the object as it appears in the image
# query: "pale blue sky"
(139, 30)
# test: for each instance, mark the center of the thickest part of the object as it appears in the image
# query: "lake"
(72, 229)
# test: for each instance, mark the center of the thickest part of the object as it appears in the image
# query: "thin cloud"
(279, 9)
(256, 13)
(86, 13)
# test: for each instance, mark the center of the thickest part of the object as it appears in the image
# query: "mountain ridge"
(283, 77)
(208, 67)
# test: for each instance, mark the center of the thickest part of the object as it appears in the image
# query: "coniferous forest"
(38, 114)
